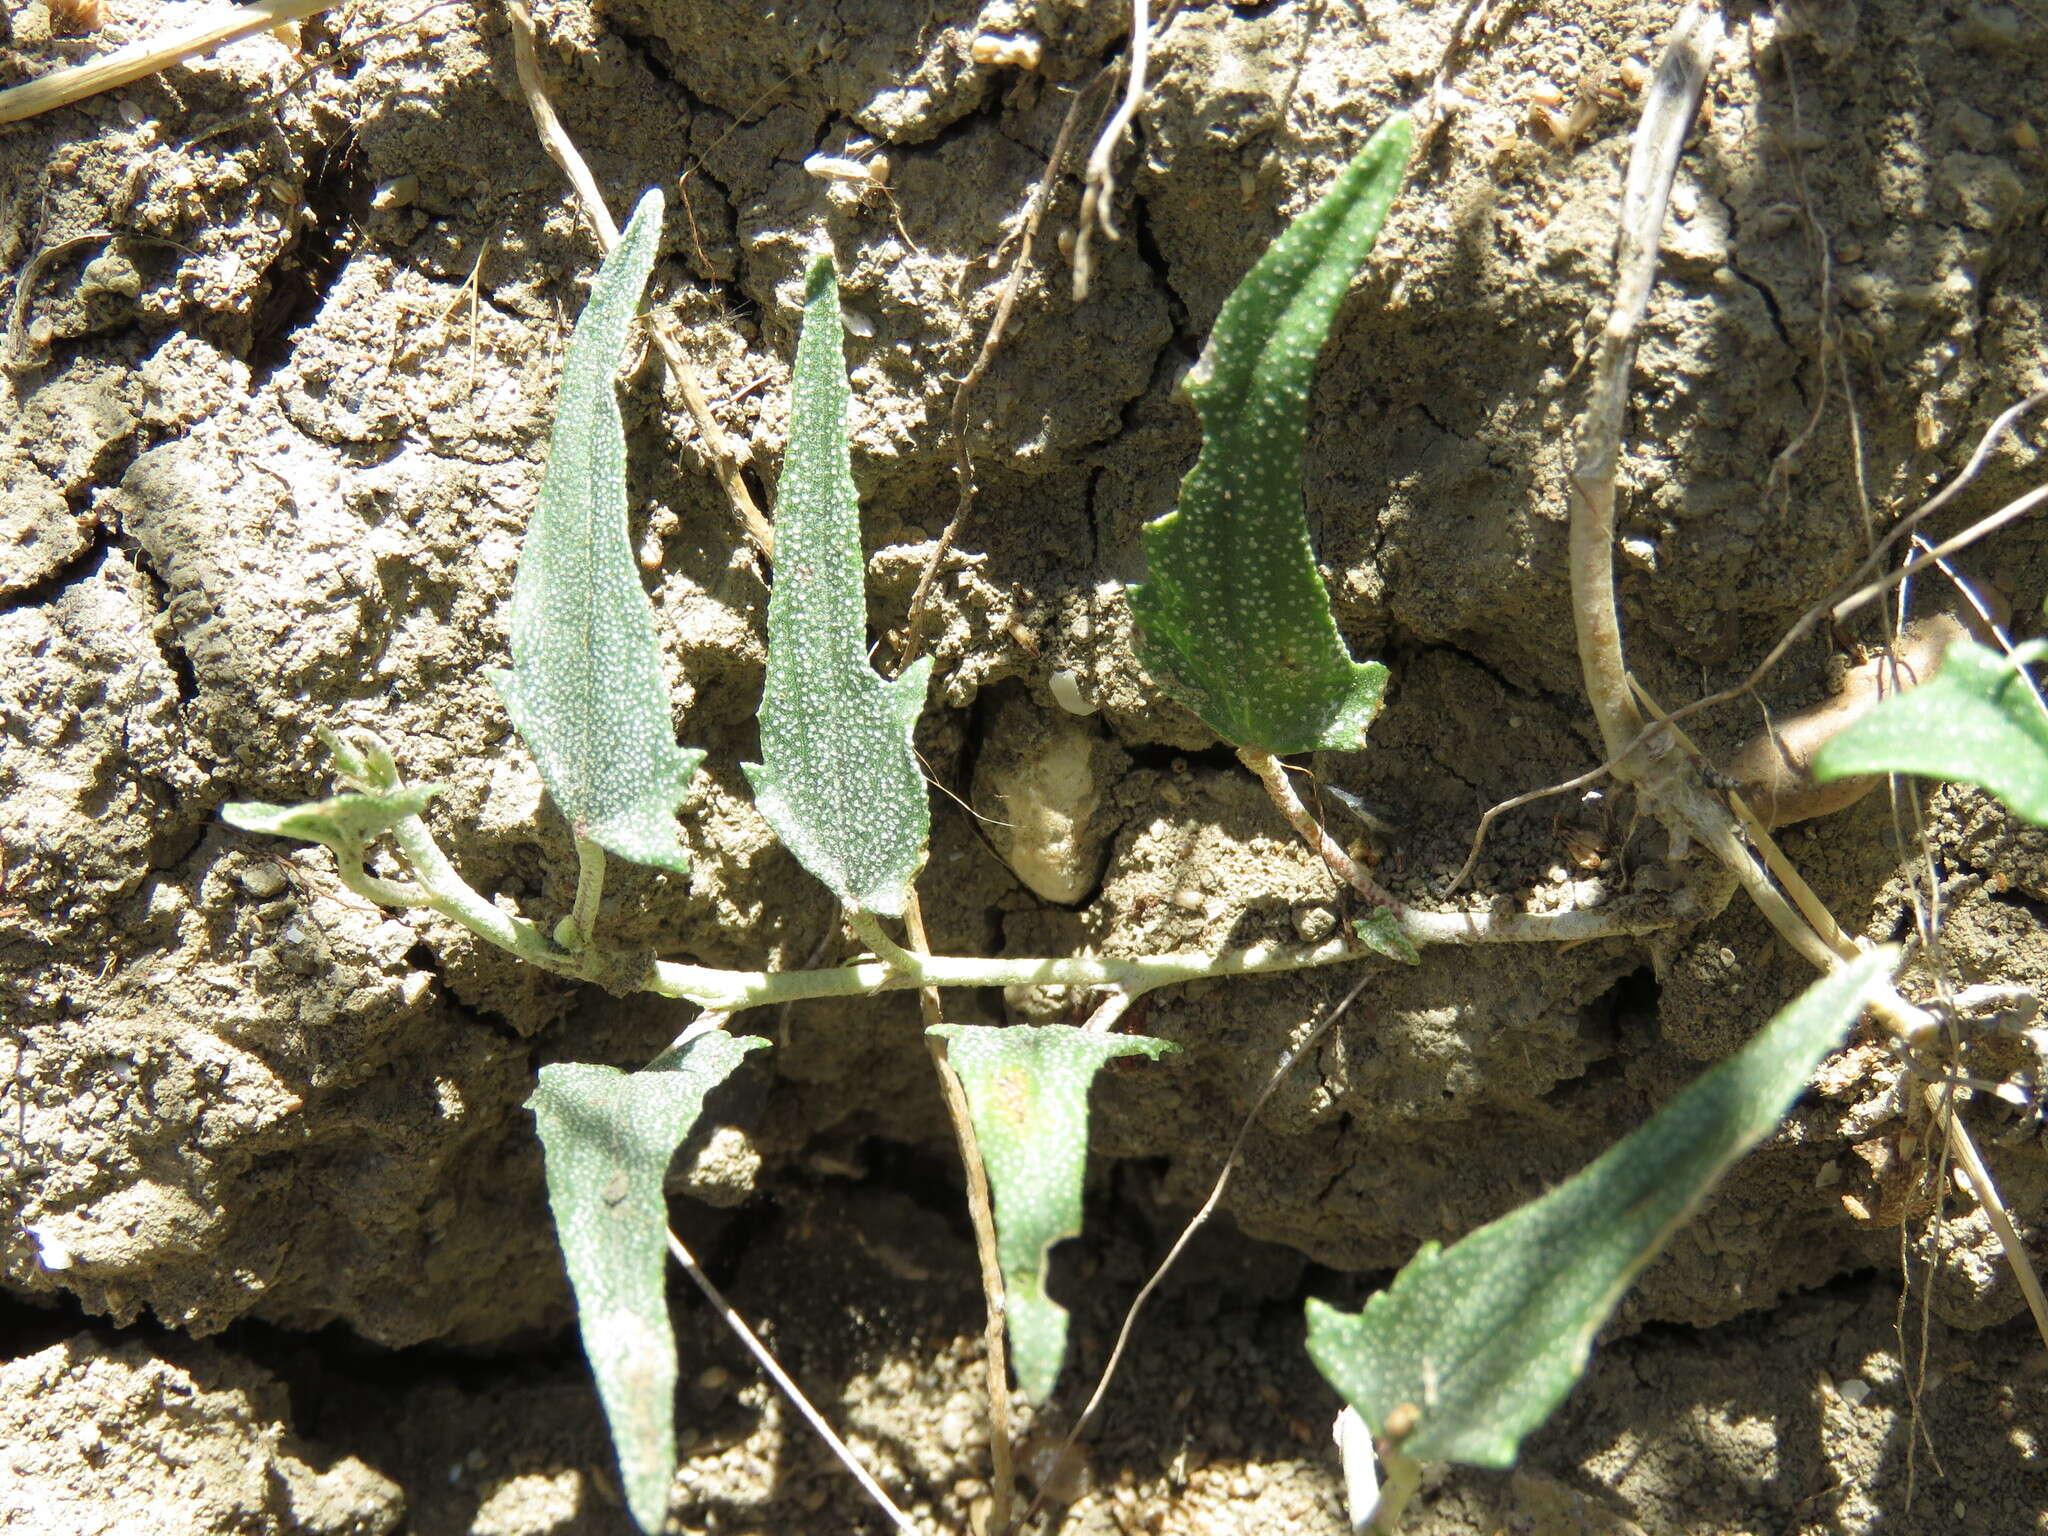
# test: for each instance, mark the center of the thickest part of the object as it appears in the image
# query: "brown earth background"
(276, 1256)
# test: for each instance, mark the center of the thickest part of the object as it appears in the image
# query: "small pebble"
(50, 1252)
(1314, 922)
(261, 881)
(398, 192)
(998, 51)
(1066, 692)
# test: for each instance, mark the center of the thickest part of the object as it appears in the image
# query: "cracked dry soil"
(276, 1258)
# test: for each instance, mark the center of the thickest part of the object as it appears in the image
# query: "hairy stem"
(982, 1215)
(589, 891)
(733, 990)
(1273, 774)
(454, 897)
(386, 893)
(440, 888)
(1403, 1482)
(868, 929)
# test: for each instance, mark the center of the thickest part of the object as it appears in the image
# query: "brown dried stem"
(956, 425)
(1099, 180)
(1272, 773)
(1668, 107)
(981, 1213)
(1799, 630)
(1643, 753)
(137, 60)
(562, 150)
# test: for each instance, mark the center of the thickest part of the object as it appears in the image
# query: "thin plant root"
(963, 449)
(981, 1213)
(790, 1390)
(1187, 1234)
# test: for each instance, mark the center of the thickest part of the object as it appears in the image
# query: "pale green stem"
(752, 989)
(442, 889)
(386, 893)
(455, 898)
(1107, 1012)
(868, 929)
(589, 891)
(1626, 917)
(1402, 1481)
(1273, 774)
(1133, 977)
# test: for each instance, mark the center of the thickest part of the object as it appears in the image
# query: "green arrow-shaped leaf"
(1975, 721)
(1027, 1093)
(345, 822)
(585, 691)
(1236, 620)
(1483, 1339)
(606, 1137)
(1382, 934)
(837, 778)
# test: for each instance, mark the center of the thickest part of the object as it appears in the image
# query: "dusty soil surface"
(284, 327)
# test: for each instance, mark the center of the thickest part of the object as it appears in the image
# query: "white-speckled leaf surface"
(1486, 1337)
(1027, 1091)
(606, 1137)
(1235, 619)
(1381, 933)
(585, 689)
(1975, 721)
(837, 778)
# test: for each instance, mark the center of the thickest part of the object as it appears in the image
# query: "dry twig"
(19, 356)
(1668, 108)
(1798, 631)
(1644, 754)
(562, 150)
(790, 1390)
(124, 66)
(1194, 1225)
(981, 1213)
(1100, 177)
(963, 447)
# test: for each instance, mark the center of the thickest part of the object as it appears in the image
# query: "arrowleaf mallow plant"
(1237, 626)
(1235, 619)
(1472, 1346)
(585, 689)
(837, 779)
